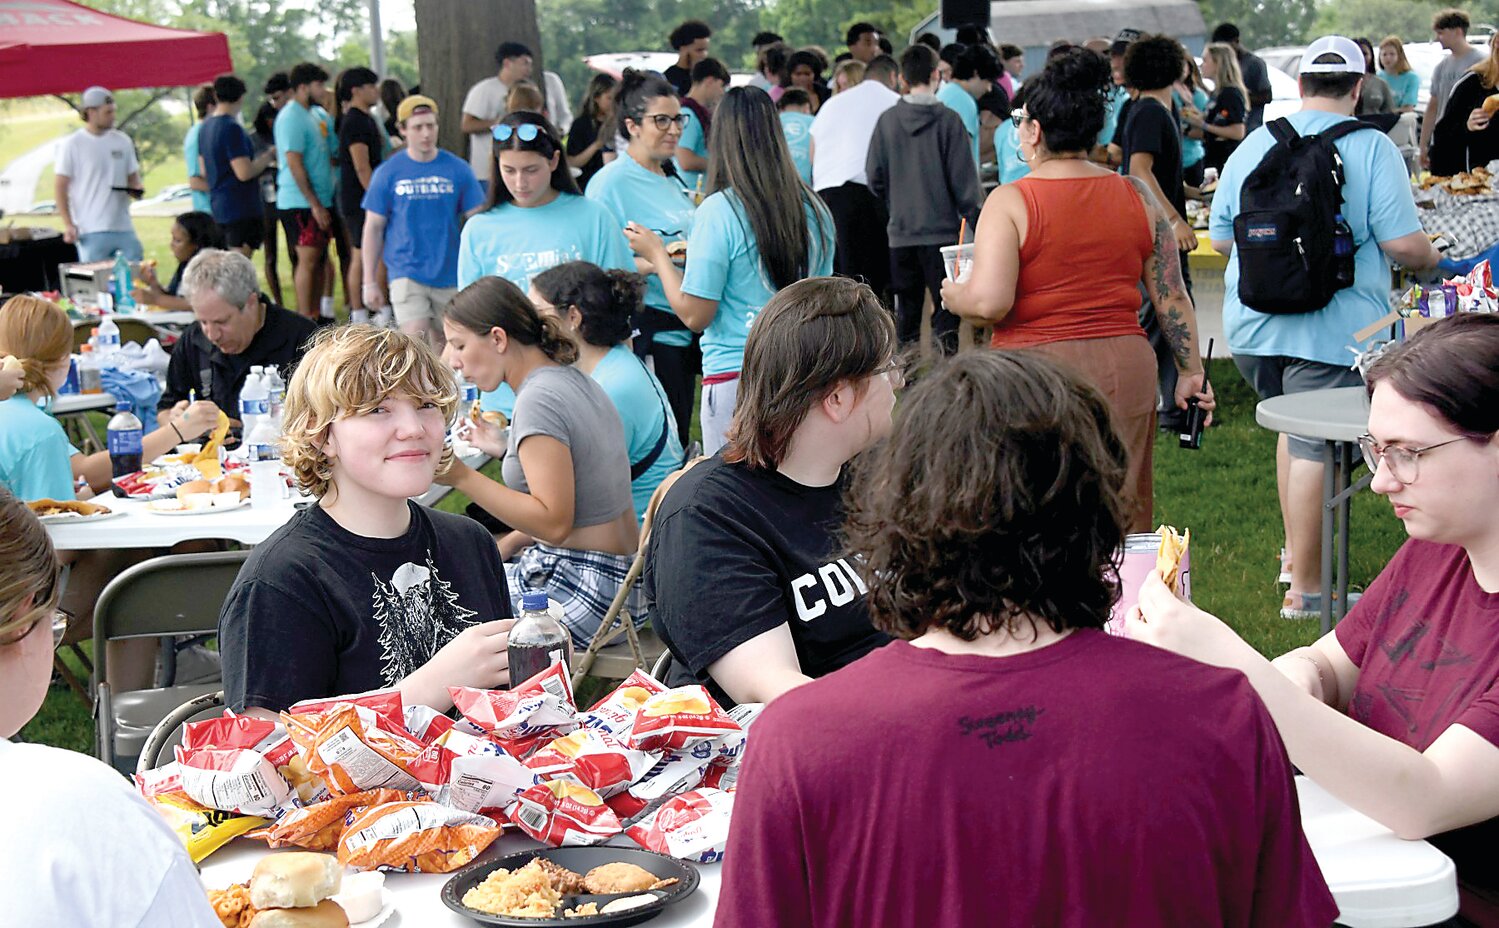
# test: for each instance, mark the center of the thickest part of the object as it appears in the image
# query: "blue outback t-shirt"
(423, 203)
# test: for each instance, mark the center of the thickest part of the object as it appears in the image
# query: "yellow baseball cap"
(411, 104)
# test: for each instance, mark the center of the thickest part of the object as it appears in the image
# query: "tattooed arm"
(1173, 307)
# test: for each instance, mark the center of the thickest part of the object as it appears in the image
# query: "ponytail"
(607, 300)
(496, 303)
(554, 342)
(38, 334)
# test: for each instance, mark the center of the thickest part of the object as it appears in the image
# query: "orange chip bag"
(418, 837)
(564, 814)
(318, 827)
(352, 751)
(677, 718)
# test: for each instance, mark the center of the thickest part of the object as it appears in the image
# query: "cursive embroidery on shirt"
(1002, 727)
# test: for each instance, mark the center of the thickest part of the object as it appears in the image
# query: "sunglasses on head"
(526, 131)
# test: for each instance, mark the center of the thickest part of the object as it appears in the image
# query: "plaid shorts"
(583, 583)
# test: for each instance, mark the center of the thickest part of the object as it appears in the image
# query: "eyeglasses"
(664, 122)
(1019, 116)
(1405, 463)
(59, 621)
(893, 372)
(526, 131)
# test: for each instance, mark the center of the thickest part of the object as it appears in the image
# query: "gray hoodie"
(921, 164)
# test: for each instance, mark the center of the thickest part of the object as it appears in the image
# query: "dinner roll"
(294, 879)
(1491, 104)
(325, 914)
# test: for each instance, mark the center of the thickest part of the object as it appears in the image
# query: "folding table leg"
(1329, 492)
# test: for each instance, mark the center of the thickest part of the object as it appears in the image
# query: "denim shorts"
(100, 246)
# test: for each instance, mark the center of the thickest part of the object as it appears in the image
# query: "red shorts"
(302, 230)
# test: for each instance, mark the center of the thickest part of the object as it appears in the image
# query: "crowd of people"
(771, 255)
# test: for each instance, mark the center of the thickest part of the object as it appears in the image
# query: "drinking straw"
(957, 259)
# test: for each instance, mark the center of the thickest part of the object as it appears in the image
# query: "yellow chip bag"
(1168, 559)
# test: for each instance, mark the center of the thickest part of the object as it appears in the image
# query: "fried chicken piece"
(619, 878)
(563, 880)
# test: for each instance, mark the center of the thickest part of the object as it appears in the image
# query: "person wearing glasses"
(1059, 257)
(760, 230)
(107, 857)
(758, 524)
(1396, 711)
(645, 187)
(533, 218)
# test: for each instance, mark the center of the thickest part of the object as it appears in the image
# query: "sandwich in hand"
(1168, 559)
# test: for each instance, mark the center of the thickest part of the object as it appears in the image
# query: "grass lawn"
(23, 130)
(1225, 493)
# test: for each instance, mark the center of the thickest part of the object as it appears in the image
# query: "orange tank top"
(1086, 243)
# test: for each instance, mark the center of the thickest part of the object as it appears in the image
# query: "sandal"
(1285, 569)
(1299, 607)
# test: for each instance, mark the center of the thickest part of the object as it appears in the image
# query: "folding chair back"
(179, 594)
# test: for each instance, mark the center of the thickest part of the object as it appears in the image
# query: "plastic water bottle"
(124, 284)
(267, 489)
(537, 639)
(109, 342)
(89, 378)
(254, 401)
(125, 435)
(275, 389)
(1342, 252)
(71, 387)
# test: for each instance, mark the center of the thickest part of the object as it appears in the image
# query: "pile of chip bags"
(397, 787)
(1471, 293)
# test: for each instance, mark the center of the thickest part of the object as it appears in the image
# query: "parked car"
(43, 208)
(1423, 56)
(1286, 58)
(1285, 92)
(614, 64)
(169, 201)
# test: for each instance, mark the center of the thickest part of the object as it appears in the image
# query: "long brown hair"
(496, 303)
(546, 144)
(997, 501)
(811, 337)
(1452, 368)
(28, 566)
(37, 333)
(747, 154)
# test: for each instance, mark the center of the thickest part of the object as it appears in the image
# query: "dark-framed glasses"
(664, 122)
(1404, 463)
(527, 132)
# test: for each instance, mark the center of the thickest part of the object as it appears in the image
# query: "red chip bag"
(678, 718)
(350, 749)
(615, 713)
(471, 773)
(230, 764)
(386, 704)
(592, 758)
(541, 704)
(418, 837)
(424, 724)
(693, 826)
(564, 814)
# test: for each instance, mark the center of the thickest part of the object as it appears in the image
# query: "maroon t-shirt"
(1425, 637)
(1094, 781)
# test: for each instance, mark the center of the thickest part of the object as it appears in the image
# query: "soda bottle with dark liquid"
(125, 435)
(537, 639)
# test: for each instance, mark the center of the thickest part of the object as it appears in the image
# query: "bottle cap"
(122, 406)
(533, 600)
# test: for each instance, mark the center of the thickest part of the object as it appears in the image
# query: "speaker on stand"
(957, 13)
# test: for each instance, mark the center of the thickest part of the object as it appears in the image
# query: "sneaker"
(1298, 607)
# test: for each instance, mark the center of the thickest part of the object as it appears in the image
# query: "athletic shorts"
(302, 230)
(1277, 375)
(244, 233)
(413, 301)
(354, 222)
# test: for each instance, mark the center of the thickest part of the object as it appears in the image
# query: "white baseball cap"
(97, 96)
(1350, 55)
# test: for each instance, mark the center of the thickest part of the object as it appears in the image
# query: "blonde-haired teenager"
(367, 589)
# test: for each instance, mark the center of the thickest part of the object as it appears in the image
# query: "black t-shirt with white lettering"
(320, 611)
(737, 551)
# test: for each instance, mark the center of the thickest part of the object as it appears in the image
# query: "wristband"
(180, 439)
(1321, 681)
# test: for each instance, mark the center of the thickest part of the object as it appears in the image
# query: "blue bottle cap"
(533, 600)
(122, 406)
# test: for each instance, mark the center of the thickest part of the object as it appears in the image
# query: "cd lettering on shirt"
(1002, 727)
(839, 585)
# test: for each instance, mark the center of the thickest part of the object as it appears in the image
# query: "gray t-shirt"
(568, 405)
(1448, 71)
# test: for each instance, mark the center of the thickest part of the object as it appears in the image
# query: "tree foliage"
(1265, 22)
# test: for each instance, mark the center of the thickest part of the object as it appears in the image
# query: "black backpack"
(1288, 221)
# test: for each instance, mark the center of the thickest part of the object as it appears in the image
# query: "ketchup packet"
(693, 826)
(230, 764)
(593, 758)
(542, 704)
(564, 814)
(418, 837)
(677, 718)
(471, 773)
(615, 713)
(354, 749)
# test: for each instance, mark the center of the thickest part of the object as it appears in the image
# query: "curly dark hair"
(1068, 99)
(997, 502)
(1153, 62)
(606, 299)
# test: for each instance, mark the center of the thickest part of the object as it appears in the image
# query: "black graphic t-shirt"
(736, 552)
(320, 611)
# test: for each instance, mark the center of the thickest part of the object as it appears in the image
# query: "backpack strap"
(1343, 128)
(1283, 131)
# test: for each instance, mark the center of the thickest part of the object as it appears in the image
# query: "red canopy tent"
(54, 47)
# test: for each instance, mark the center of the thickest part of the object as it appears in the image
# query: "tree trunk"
(456, 42)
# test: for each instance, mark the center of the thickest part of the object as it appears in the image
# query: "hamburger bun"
(326, 914)
(495, 418)
(294, 880)
(1491, 104)
(194, 486)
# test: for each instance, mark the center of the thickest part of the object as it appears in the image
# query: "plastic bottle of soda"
(124, 284)
(537, 639)
(124, 439)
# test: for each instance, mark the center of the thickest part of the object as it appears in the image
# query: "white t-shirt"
(83, 848)
(557, 106)
(94, 164)
(841, 133)
(485, 100)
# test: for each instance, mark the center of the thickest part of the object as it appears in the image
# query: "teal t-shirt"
(305, 132)
(959, 101)
(518, 243)
(634, 194)
(1116, 98)
(637, 395)
(1378, 206)
(1192, 149)
(723, 264)
(1007, 153)
(34, 452)
(201, 202)
(1404, 88)
(695, 140)
(797, 127)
